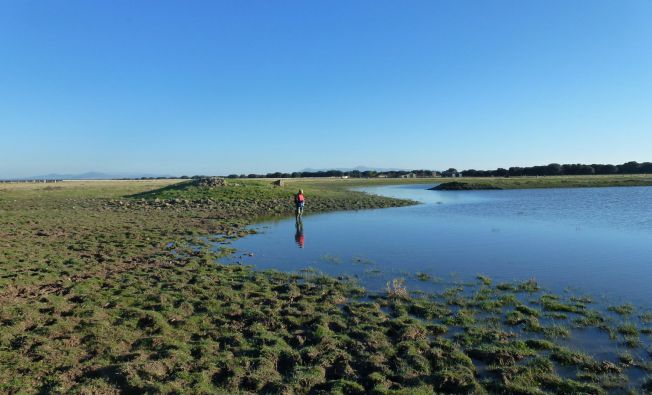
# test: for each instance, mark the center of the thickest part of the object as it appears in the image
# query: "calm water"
(596, 240)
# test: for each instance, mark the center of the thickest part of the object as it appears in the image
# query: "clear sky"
(217, 87)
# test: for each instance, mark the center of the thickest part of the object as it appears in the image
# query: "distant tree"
(423, 173)
(630, 168)
(570, 169)
(500, 172)
(452, 172)
(646, 167)
(233, 176)
(554, 169)
(605, 169)
(586, 170)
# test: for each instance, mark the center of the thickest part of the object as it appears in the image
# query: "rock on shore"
(210, 182)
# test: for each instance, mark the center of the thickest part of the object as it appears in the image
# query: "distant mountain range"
(92, 175)
(358, 168)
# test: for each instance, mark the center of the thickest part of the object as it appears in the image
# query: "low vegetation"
(461, 186)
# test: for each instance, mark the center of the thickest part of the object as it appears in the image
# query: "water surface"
(595, 240)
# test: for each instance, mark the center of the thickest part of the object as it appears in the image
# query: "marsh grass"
(624, 309)
(421, 276)
(332, 259)
(396, 289)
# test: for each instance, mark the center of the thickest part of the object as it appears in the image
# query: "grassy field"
(110, 287)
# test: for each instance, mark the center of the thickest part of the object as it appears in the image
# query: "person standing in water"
(299, 201)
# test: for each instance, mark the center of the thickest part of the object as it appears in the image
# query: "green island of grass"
(462, 186)
(112, 287)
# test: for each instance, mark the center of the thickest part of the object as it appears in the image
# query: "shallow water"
(597, 241)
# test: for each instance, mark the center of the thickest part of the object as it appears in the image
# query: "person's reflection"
(298, 236)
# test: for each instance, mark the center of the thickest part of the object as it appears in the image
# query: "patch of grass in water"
(540, 344)
(628, 329)
(569, 357)
(373, 273)
(501, 354)
(554, 315)
(624, 309)
(484, 279)
(421, 276)
(556, 331)
(626, 358)
(529, 286)
(632, 341)
(589, 318)
(333, 259)
(362, 260)
(584, 300)
(552, 303)
(526, 310)
(646, 318)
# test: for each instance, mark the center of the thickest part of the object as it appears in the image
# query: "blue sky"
(217, 87)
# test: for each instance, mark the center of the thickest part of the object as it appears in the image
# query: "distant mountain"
(92, 175)
(358, 168)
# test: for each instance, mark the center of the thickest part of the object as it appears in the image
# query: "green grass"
(624, 310)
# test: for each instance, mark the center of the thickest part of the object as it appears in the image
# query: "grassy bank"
(103, 290)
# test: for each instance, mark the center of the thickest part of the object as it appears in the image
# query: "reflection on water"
(299, 238)
(597, 240)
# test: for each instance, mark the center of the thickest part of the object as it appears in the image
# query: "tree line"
(553, 169)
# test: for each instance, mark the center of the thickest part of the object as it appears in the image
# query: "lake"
(597, 241)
